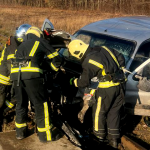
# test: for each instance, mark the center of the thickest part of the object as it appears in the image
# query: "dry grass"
(70, 21)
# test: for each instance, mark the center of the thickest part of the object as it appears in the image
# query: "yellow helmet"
(77, 48)
(36, 31)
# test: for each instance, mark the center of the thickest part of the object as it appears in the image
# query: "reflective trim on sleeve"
(34, 48)
(9, 104)
(75, 82)
(2, 54)
(53, 67)
(52, 55)
(92, 92)
(97, 113)
(4, 78)
(107, 84)
(5, 82)
(96, 63)
(10, 56)
(20, 125)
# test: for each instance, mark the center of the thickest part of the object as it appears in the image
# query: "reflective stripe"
(34, 48)
(107, 84)
(27, 69)
(47, 126)
(9, 104)
(52, 55)
(112, 55)
(20, 39)
(20, 125)
(96, 63)
(5, 82)
(97, 113)
(53, 67)
(44, 129)
(75, 82)
(2, 54)
(4, 78)
(10, 56)
(92, 92)
(47, 121)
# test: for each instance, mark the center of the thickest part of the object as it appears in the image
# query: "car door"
(57, 38)
(47, 25)
(137, 101)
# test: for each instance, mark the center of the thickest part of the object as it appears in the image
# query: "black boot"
(113, 143)
(21, 133)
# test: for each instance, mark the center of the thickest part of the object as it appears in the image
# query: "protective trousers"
(34, 90)
(106, 112)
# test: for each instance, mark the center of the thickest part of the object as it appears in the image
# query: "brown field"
(70, 21)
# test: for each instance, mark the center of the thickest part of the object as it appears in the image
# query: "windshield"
(93, 39)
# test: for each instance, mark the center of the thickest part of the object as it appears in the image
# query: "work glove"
(72, 81)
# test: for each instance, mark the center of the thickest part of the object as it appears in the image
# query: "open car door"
(57, 38)
(137, 98)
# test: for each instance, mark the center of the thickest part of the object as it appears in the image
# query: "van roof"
(134, 28)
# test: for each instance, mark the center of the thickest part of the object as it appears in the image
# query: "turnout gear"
(7, 100)
(28, 69)
(5, 66)
(20, 31)
(105, 64)
(77, 48)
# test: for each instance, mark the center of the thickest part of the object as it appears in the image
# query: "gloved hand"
(72, 81)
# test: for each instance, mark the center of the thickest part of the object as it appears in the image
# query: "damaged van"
(129, 36)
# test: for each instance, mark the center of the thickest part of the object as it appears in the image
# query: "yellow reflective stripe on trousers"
(107, 84)
(27, 69)
(96, 63)
(10, 56)
(34, 48)
(112, 55)
(2, 54)
(52, 55)
(53, 67)
(49, 138)
(44, 129)
(20, 125)
(47, 126)
(9, 104)
(97, 113)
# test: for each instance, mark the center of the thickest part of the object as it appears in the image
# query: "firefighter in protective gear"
(5, 67)
(6, 90)
(27, 75)
(105, 64)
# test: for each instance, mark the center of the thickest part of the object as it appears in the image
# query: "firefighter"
(106, 64)
(27, 75)
(7, 53)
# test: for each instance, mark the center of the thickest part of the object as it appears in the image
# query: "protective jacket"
(5, 65)
(101, 62)
(104, 63)
(33, 50)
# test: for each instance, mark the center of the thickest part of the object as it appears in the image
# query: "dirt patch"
(9, 142)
